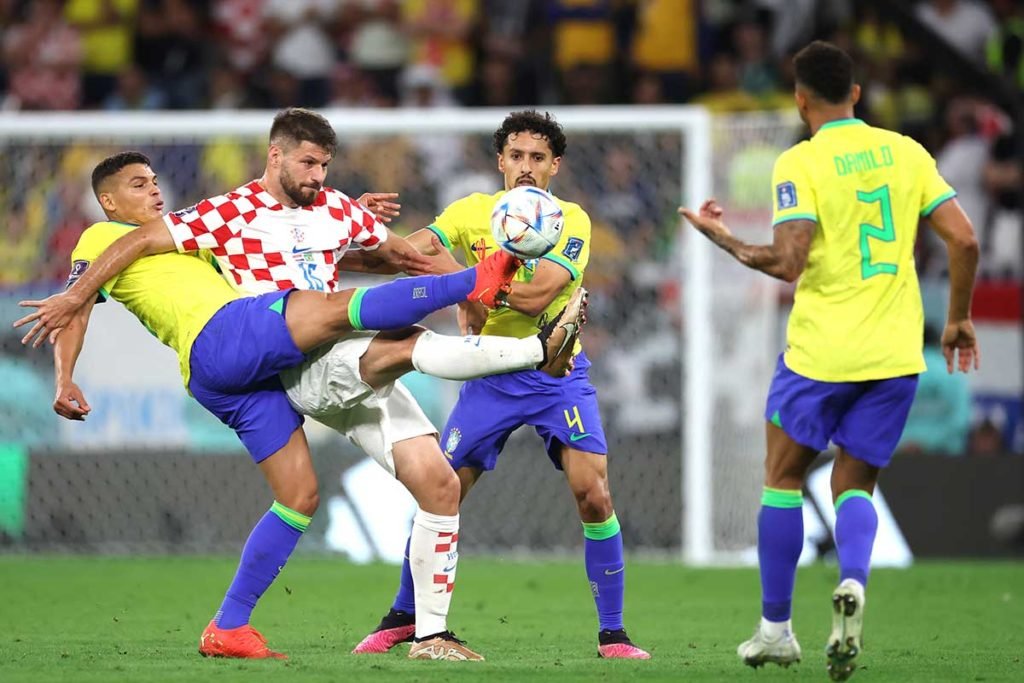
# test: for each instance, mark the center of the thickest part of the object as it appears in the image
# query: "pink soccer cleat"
(617, 645)
(396, 627)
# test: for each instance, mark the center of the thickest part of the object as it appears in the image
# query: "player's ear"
(107, 203)
(855, 94)
(501, 162)
(555, 163)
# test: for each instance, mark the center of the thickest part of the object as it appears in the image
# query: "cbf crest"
(452, 442)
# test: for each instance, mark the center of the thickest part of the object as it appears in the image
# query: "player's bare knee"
(304, 500)
(449, 491)
(594, 503)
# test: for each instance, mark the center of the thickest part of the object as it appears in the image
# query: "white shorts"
(329, 389)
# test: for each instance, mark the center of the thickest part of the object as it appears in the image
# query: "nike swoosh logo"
(612, 573)
(449, 569)
(296, 250)
(574, 437)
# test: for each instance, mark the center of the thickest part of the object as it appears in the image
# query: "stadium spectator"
(378, 46)
(1004, 52)
(42, 55)
(442, 32)
(665, 45)
(1004, 178)
(583, 43)
(301, 45)
(107, 29)
(940, 416)
(170, 46)
(135, 92)
(964, 24)
(239, 28)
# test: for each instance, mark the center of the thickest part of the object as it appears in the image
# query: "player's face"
(527, 160)
(303, 171)
(132, 195)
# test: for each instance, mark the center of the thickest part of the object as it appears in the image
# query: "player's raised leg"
(289, 471)
(780, 539)
(315, 318)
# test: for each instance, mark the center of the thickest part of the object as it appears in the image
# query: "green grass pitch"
(80, 619)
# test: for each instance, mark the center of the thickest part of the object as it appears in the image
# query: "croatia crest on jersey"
(452, 442)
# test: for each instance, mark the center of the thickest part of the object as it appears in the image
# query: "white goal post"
(693, 125)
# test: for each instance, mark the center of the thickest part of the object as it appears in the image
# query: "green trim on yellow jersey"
(795, 217)
(927, 211)
(842, 122)
(441, 236)
(564, 262)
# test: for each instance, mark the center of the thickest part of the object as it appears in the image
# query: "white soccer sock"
(776, 629)
(470, 357)
(433, 555)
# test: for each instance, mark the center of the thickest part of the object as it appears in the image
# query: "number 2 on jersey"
(886, 233)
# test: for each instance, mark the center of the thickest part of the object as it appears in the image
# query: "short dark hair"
(295, 125)
(531, 121)
(113, 164)
(826, 69)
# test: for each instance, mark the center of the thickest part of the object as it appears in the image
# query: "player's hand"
(960, 346)
(70, 402)
(471, 317)
(380, 204)
(52, 314)
(443, 260)
(708, 219)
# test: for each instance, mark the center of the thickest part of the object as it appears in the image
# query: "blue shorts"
(865, 419)
(563, 411)
(234, 364)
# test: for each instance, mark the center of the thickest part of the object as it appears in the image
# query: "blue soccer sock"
(606, 569)
(406, 301)
(856, 524)
(405, 599)
(780, 539)
(270, 544)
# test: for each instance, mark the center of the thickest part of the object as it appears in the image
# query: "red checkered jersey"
(263, 246)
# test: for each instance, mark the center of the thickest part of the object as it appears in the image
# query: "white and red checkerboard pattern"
(447, 542)
(263, 246)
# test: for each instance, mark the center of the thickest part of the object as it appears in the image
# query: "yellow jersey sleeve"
(794, 196)
(934, 188)
(447, 225)
(573, 250)
(93, 242)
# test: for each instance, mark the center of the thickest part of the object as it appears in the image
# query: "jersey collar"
(842, 122)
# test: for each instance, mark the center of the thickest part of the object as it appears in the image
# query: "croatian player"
(230, 351)
(847, 204)
(564, 413)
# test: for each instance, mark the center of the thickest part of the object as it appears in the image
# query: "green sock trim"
(295, 520)
(781, 498)
(278, 306)
(852, 493)
(355, 305)
(599, 531)
(13, 488)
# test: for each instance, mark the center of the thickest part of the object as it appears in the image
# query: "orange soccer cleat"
(243, 642)
(493, 278)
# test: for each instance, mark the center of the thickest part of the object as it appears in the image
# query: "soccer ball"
(527, 222)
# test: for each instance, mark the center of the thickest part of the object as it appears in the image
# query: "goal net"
(682, 339)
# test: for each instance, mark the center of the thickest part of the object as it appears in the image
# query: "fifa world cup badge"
(452, 442)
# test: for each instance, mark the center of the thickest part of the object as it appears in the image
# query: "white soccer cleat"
(761, 649)
(844, 643)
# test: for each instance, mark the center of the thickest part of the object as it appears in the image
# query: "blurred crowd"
(728, 55)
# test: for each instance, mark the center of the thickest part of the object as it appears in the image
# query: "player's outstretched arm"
(959, 342)
(433, 258)
(54, 313)
(69, 401)
(785, 258)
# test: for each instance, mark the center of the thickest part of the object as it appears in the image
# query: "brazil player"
(529, 149)
(230, 351)
(847, 204)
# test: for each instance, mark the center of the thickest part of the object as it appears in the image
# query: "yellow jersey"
(857, 315)
(173, 295)
(466, 224)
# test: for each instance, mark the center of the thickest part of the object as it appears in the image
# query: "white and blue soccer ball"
(527, 222)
